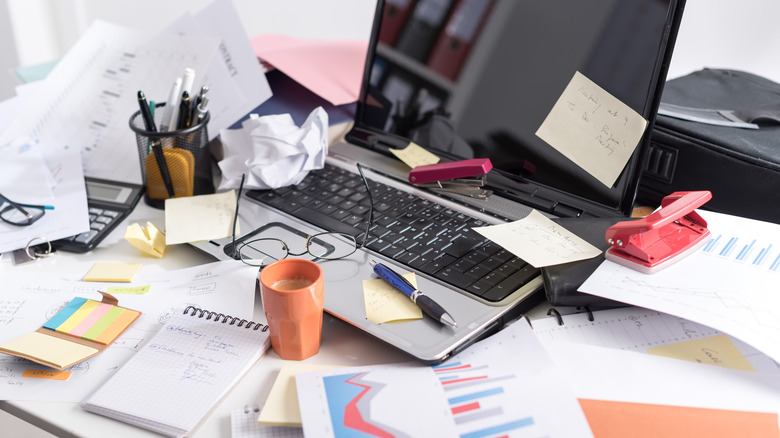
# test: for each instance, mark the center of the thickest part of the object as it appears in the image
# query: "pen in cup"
(170, 116)
(185, 110)
(159, 155)
(424, 302)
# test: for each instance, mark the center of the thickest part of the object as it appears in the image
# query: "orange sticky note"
(47, 374)
(621, 419)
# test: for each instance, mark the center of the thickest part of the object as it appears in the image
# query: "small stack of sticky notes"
(82, 329)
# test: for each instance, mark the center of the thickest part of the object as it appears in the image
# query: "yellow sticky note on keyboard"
(113, 271)
(414, 155)
(150, 239)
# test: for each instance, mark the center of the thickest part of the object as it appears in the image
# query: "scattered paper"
(414, 155)
(385, 303)
(272, 151)
(333, 69)
(113, 272)
(150, 239)
(539, 241)
(593, 129)
(281, 407)
(729, 283)
(202, 217)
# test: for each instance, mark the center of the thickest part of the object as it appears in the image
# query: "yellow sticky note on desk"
(150, 239)
(716, 350)
(56, 351)
(113, 272)
(414, 155)
(385, 303)
(281, 407)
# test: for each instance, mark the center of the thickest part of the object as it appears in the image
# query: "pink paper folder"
(333, 69)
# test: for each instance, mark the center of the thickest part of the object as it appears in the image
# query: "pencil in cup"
(186, 156)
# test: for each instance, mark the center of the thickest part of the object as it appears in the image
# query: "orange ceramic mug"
(292, 291)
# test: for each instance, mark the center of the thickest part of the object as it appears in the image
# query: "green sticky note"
(128, 290)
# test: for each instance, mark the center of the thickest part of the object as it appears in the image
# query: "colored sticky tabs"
(113, 271)
(92, 320)
(58, 352)
(137, 290)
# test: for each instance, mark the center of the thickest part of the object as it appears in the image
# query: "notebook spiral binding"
(200, 313)
(554, 311)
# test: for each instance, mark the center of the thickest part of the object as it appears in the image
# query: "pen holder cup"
(184, 153)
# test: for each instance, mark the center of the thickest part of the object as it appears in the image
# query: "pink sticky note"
(333, 69)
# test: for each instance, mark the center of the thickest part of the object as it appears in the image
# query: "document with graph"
(729, 284)
(505, 385)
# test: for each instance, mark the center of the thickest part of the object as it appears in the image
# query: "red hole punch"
(661, 238)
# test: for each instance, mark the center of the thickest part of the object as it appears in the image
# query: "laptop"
(520, 58)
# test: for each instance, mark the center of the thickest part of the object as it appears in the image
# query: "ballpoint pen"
(159, 155)
(426, 303)
(185, 112)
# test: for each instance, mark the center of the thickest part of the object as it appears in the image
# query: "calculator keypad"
(99, 219)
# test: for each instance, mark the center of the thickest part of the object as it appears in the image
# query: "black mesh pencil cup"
(174, 163)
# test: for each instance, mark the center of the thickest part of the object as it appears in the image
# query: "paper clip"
(466, 177)
(661, 238)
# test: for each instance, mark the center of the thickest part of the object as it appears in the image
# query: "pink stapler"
(661, 238)
(466, 177)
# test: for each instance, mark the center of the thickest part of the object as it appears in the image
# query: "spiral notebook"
(175, 380)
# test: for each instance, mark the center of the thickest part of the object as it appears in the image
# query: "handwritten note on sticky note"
(414, 155)
(47, 374)
(539, 241)
(202, 217)
(113, 271)
(714, 350)
(137, 290)
(384, 303)
(593, 129)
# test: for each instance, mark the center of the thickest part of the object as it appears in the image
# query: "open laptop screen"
(496, 68)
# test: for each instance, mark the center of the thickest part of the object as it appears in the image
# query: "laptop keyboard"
(413, 231)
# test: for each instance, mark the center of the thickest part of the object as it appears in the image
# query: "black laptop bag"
(741, 167)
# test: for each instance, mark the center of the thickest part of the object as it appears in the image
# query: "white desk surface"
(341, 345)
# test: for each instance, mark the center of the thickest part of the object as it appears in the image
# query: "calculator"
(109, 203)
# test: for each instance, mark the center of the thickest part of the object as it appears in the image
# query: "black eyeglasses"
(21, 215)
(322, 246)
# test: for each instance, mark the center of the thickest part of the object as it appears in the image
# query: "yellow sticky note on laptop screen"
(414, 155)
(593, 129)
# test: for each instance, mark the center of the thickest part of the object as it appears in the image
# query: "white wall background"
(715, 33)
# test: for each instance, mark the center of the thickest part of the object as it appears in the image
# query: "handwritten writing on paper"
(385, 303)
(593, 129)
(414, 155)
(539, 241)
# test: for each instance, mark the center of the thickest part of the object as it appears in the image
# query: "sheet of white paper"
(272, 151)
(24, 176)
(639, 329)
(510, 375)
(593, 129)
(202, 217)
(729, 284)
(609, 374)
(70, 215)
(86, 101)
(225, 287)
(235, 78)
(539, 241)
